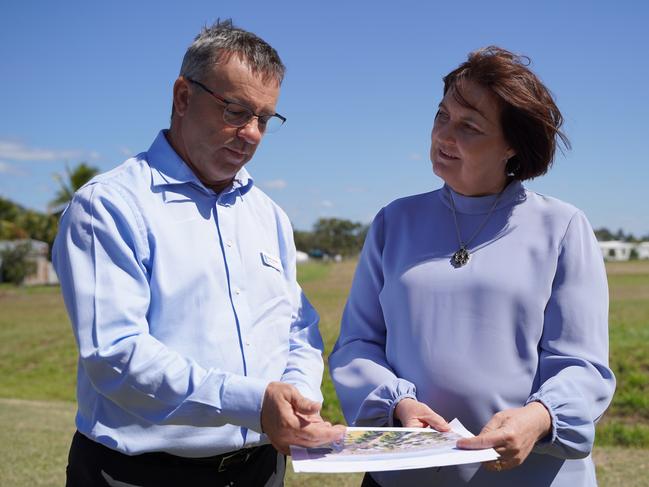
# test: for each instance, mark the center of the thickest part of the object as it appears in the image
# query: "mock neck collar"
(513, 193)
(168, 168)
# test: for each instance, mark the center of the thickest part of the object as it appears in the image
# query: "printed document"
(378, 449)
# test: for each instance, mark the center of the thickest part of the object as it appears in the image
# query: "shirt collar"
(513, 193)
(168, 169)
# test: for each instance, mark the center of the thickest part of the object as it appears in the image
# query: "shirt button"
(237, 291)
(247, 344)
(228, 243)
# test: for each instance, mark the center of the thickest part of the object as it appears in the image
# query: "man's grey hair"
(218, 43)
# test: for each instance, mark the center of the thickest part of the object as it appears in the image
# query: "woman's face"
(468, 149)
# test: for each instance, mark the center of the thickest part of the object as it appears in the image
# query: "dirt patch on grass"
(622, 466)
(630, 267)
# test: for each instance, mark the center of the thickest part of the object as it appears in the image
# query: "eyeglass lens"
(238, 116)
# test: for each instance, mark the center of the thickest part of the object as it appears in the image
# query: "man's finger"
(318, 434)
(323, 432)
(304, 406)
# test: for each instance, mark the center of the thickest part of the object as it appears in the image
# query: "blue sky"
(91, 81)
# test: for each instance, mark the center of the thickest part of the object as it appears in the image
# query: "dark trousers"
(368, 481)
(91, 464)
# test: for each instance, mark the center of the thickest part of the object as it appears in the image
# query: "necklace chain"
(462, 255)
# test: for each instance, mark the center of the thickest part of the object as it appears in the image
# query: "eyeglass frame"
(227, 102)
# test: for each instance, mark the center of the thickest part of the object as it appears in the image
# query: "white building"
(643, 250)
(615, 250)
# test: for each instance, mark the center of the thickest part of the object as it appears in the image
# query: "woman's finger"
(435, 421)
(490, 439)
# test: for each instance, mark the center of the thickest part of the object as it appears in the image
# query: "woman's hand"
(512, 433)
(414, 414)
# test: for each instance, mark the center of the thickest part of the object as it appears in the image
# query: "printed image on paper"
(376, 449)
(372, 442)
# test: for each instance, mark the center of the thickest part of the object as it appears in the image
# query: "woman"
(483, 300)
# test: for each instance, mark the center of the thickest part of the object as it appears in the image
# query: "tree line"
(18, 222)
(331, 237)
(604, 234)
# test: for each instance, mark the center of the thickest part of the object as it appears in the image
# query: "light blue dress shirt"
(184, 304)
(525, 320)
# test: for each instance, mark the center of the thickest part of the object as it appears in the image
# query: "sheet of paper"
(377, 449)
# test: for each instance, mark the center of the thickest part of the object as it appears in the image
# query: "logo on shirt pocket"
(271, 261)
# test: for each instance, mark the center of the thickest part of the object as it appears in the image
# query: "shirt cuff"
(242, 400)
(550, 438)
(378, 406)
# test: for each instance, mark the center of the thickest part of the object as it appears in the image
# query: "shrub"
(16, 265)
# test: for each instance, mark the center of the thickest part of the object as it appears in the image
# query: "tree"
(604, 234)
(39, 226)
(69, 183)
(9, 210)
(16, 265)
(303, 241)
(336, 236)
(10, 214)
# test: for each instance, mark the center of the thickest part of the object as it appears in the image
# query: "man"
(196, 344)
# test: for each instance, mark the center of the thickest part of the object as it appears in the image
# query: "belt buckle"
(228, 460)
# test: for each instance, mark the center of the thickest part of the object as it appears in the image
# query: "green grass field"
(38, 367)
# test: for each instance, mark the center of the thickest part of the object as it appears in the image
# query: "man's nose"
(250, 132)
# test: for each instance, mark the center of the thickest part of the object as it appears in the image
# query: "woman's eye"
(440, 115)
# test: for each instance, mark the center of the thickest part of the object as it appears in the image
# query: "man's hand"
(512, 433)
(289, 418)
(414, 414)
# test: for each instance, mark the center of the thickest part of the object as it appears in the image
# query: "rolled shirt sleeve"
(576, 384)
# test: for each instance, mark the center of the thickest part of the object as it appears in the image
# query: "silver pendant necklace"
(462, 255)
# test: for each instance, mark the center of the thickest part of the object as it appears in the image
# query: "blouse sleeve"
(367, 387)
(576, 384)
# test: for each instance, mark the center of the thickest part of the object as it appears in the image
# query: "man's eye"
(237, 110)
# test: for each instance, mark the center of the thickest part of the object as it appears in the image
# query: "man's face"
(214, 150)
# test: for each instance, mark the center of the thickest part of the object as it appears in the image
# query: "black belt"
(222, 462)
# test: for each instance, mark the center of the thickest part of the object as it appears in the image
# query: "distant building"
(617, 251)
(44, 273)
(301, 256)
(643, 250)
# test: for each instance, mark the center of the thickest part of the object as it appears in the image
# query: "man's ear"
(181, 96)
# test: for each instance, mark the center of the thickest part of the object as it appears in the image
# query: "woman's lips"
(445, 155)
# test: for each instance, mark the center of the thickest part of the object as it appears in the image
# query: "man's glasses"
(237, 115)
